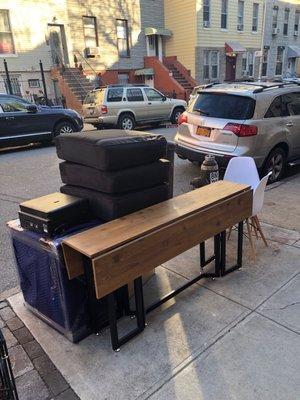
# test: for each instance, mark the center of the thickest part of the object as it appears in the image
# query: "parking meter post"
(44, 82)
(7, 77)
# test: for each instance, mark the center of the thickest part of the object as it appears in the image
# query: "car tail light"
(241, 130)
(182, 118)
(103, 109)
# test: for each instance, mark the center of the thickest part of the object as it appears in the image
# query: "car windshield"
(94, 97)
(223, 105)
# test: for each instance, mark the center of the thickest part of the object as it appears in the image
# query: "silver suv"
(126, 106)
(261, 120)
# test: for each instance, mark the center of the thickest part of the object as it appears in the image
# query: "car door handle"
(9, 117)
(289, 124)
(149, 103)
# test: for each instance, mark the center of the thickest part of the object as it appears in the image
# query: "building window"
(279, 60)
(214, 64)
(244, 64)
(123, 78)
(6, 37)
(255, 17)
(122, 38)
(211, 64)
(240, 17)
(275, 18)
(286, 21)
(206, 13)
(297, 20)
(224, 11)
(15, 84)
(90, 31)
(264, 71)
(206, 64)
(250, 64)
(34, 83)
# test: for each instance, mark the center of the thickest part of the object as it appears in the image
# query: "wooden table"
(123, 250)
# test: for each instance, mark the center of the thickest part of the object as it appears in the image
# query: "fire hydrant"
(209, 172)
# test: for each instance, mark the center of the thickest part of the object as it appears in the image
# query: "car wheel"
(127, 122)
(64, 127)
(176, 114)
(275, 163)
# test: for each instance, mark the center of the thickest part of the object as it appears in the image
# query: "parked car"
(125, 106)
(22, 122)
(261, 120)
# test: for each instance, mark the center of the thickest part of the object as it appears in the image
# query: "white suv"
(260, 120)
(126, 106)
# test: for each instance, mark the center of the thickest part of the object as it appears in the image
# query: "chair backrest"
(259, 194)
(242, 170)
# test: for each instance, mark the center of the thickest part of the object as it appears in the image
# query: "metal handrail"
(85, 60)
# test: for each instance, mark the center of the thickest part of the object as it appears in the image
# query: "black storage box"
(54, 213)
(111, 206)
(111, 149)
(124, 180)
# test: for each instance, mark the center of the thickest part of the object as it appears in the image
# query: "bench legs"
(116, 341)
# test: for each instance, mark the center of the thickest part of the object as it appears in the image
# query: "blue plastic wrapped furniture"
(47, 291)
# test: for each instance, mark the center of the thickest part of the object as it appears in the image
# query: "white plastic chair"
(243, 170)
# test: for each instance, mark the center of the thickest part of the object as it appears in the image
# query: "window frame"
(255, 18)
(278, 61)
(214, 65)
(34, 80)
(286, 20)
(111, 89)
(241, 17)
(265, 61)
(127, 38)
(10, 32)
(95, 30)
(14, 98)
(224, 6)
(206, 12)
(275, 17)
(297, 20)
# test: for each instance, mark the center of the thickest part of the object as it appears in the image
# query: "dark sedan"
(22, 122)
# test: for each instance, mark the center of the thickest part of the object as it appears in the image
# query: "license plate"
(203, 131)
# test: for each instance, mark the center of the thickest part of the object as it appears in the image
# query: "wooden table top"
(103, 238)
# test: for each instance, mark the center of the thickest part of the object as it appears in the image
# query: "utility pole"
(262, 50)
(44, 83)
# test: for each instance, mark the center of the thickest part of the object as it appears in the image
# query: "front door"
(154, 46)
(58, 45)
(230, 69)
(291, 69)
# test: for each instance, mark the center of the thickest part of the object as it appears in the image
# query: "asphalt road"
(31, 172)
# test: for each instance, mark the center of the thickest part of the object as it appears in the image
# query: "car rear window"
(223, 105)
(94, 97)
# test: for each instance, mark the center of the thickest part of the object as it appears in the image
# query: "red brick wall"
(162, 79)
(71, 100)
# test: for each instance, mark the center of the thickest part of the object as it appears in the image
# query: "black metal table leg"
(116, 341)
(223, 253)
(240, 244)
(202, 255)
(217, 250)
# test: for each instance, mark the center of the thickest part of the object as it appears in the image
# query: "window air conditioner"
(296, 33)
(91, 52)
(275, 31)
(206, 24)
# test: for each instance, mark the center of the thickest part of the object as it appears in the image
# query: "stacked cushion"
(118, 171)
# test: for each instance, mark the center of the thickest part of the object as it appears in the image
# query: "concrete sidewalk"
(236, 337)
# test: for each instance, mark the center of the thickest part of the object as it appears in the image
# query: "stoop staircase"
(73, 85)
(180, 78)
(77, 82)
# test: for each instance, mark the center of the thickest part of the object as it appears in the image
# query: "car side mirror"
(164, 98)
(32, 108)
